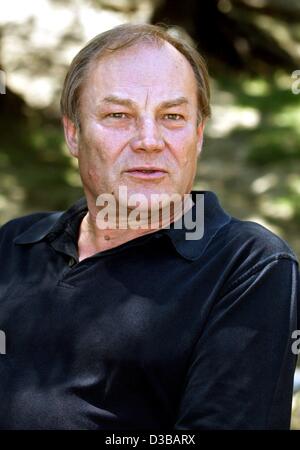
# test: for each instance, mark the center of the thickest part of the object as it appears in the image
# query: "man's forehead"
(142, 70)
(142, 59)
(133, 52)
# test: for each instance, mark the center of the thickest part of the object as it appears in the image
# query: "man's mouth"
(147, 173)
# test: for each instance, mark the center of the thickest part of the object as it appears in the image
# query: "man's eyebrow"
(117, 100)
(127, 102)
(176, 102)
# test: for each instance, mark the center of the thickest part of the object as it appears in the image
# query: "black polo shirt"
(158, 333)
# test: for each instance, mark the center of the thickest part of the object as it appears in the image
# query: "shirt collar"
(214, 219)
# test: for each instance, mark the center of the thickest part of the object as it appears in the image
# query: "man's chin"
(145, 194)
(150, 200)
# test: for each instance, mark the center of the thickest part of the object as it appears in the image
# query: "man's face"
(138, 110)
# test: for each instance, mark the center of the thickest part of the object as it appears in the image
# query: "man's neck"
(92, 239)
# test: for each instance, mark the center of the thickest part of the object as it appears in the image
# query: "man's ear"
(200, 131)
(71, 135)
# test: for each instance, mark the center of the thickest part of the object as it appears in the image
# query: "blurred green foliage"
(36, 171)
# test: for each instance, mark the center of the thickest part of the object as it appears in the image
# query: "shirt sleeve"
(241, 371)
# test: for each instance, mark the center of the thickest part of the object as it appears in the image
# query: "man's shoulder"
(21, 223)
(255, 240)
(15, 227)
(245, 249)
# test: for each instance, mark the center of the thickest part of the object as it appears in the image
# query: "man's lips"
(147, 172)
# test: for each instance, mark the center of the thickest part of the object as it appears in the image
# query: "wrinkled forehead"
(156, 68)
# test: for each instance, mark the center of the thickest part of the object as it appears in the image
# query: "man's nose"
(148, 136)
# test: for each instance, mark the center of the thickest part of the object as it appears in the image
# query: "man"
(126, 327)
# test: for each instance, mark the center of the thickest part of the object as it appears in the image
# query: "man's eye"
(173, 116)
(117, 115)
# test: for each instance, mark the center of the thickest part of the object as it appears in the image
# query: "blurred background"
(251, 154)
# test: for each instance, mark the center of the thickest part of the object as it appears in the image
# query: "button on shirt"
(160, 332)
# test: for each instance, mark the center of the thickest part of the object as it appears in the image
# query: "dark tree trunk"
(227, 33)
